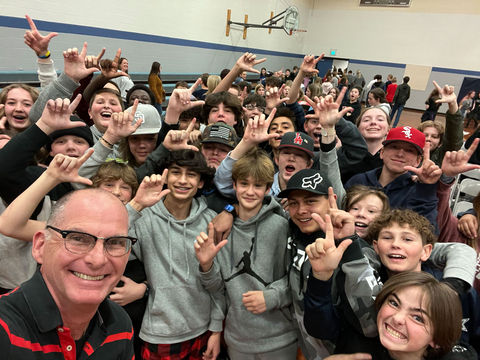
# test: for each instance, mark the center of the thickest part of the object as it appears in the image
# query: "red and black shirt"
(31, 327)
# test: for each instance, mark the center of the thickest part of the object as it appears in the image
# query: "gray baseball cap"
(151, 123)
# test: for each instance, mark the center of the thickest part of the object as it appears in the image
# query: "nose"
(97, 256)
(399, 317)
(302, 209)
(116, 190)
(182, 179)
(215, 151)
(396, 243)
(142, 143)
(250, 190)
(70, 145)
(361, 213)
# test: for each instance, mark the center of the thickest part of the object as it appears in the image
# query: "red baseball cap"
(407, 134)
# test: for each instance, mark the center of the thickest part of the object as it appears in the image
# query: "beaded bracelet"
(109, 143)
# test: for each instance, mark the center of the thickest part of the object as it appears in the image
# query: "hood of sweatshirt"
(174, 227)
(240, 227)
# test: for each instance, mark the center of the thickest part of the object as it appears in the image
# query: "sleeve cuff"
(319, 288)
(271, 300)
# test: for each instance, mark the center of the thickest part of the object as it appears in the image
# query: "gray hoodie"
(179, 308)
(255, 259)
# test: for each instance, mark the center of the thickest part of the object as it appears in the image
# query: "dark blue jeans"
(399, 108)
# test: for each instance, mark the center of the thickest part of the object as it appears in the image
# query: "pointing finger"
(31, 23)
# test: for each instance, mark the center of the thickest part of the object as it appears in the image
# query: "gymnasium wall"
(437, 33)
(184, 35)
(188, 36)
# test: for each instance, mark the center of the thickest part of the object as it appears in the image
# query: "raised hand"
(447, 93)
(94, 61)
(254, 301)
(74, 66)
(129, 292)
(121, 124)
(323, 255)
(256, 131)
(326, 110)
(205, 248)
(429, 172)
(36, 41)
(247, 61)
(178, 139)
(150, 191)
(343, 222)
(456, 162)
(109, 67)
(273, 98)
(180, 101)
(65, 169)
(309, 63)
(56, 115)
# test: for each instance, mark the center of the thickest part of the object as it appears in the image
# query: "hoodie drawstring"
(185, 249)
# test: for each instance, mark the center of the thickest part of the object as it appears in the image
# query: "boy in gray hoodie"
(180, 314)
(252, 268)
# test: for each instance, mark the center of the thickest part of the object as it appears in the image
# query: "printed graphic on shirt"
(247, 267)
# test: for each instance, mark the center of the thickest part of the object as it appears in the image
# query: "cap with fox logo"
(298, 140)
(307, 179)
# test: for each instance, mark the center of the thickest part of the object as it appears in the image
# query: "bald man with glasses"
(62, 311)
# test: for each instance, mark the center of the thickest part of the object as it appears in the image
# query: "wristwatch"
(229, 208)
(147, 290)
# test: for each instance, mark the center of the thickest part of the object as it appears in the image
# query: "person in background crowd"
(156, 85)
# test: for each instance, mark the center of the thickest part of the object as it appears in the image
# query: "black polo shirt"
(31, 327)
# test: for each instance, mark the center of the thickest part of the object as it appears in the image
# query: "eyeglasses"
(251, 107)
(80, 243)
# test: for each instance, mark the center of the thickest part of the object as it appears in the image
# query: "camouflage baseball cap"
(220, 133)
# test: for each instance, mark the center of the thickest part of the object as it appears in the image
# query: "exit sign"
(333, 52)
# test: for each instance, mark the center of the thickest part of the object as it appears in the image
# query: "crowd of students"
(268, 220)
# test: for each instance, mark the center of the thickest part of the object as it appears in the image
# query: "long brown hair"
(442, 306)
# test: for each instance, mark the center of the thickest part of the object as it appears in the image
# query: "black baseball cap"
(311, 180)
(297, 140)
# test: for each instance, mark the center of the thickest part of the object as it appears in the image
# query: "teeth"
(86, 277)
(305, 220)
(360, 224)
(397, 256)
(394, 333)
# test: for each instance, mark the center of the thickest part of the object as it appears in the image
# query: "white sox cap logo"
(312, 181)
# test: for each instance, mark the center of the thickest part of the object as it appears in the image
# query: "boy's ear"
(375, 246)
(427, 250)
(381, 152)
(200, 184)
(235, 185)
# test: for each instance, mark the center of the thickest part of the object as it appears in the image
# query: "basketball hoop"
(300, 34)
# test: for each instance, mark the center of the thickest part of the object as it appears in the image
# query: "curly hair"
(403, 217)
